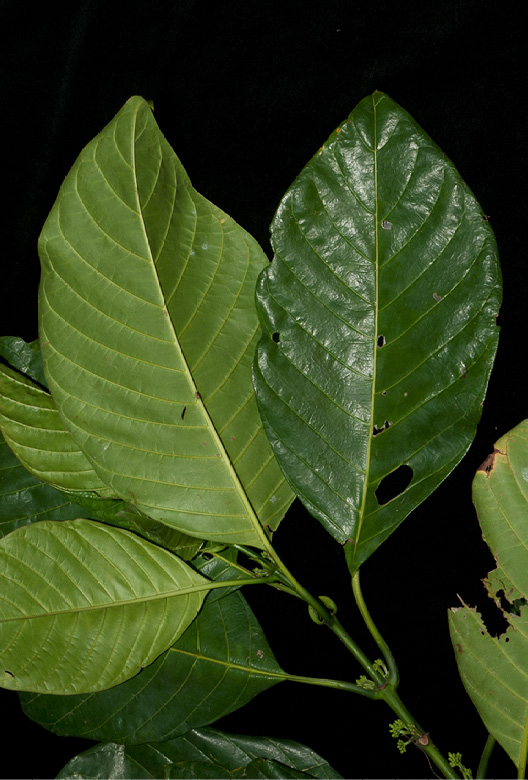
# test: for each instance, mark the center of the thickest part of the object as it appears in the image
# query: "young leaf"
(24, 499)
(31, 425)
(85, 606)
(221, 662)
(209, 746)
(148, 328)
(494, 670)
(379, 324)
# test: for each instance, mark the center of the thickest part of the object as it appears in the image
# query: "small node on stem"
(329, 604)
(399, 729)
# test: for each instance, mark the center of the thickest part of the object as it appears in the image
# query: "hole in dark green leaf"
(276, 337)
(207, 557)
(376, 430)
(394, 484)
(381, 341)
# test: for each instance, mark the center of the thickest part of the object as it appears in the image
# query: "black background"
(246, 92)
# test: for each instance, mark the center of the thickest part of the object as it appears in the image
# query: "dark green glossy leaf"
(259, 769)
(205, 746)
(106, 762)
(221, 662)
(25, 357)
(148, 329)
(84, 606)
(379, 324)
(24, 499)
(218, 566)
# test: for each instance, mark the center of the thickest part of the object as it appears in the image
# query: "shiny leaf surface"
(85, 606)
(259, 769)
(379, 324)
(148, 328)
(494, 670)
(24, 356)
(24, 499)
(221, 662)
(205, 746)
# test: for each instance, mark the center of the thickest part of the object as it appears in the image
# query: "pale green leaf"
(148, 329)
(494, 670)
(379, 324)
(31, 425)
(85, 606)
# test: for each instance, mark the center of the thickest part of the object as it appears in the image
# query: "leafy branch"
(157, 433)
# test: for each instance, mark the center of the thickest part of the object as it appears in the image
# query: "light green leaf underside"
(148, 328)
(379, 323)
(206, 746)
(494, 670)
(84, 606)
(221, 662)
(31, 425)
(24, 499)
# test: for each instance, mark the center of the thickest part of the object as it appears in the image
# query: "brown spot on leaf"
(489, 463)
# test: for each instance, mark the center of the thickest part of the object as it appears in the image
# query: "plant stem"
(384, 688)
(486, 753)
(390, 696)
(327, 683)
(394, 676)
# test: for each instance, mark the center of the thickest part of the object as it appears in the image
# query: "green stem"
(327, 683)
(384, 688)
(486, 753)
(391, 698)
(394, 676)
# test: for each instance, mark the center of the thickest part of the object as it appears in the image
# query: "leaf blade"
(31, 425)
(493, 669)
(221, 662)
(68, 626)
(147, 329)
(24, 499)
(217, 748)
(381, 254)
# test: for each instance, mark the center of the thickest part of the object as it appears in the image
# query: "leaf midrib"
(361, 513)
(201, 405)
(120, 603)
(252, 670)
